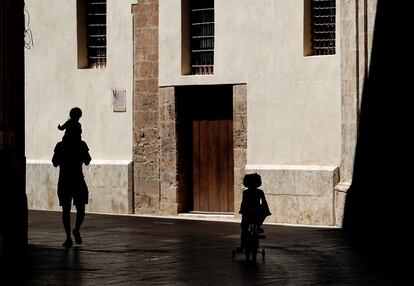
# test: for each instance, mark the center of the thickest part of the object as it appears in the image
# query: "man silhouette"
(69, 155)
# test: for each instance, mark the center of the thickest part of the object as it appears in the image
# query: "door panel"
(204, 166)
(196, 164)
(230, 166)
(213, 165)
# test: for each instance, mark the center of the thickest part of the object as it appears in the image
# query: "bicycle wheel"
(254, 254)
(247, 253)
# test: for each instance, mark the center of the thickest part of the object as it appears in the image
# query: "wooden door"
(213, 165)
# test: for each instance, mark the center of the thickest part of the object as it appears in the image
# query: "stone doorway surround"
(159, 187)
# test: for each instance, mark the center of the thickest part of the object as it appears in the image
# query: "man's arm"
(56, 159)
(86, 158)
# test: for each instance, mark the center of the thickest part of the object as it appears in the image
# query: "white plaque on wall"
(119, 100)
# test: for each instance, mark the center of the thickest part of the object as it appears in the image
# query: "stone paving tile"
(132, 250)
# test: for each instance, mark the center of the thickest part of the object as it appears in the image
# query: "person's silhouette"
(254, 207)
(69, 155)
(72, 126)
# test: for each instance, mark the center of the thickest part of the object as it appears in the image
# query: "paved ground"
(128, 250)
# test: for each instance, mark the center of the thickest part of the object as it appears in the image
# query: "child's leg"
(244, 229)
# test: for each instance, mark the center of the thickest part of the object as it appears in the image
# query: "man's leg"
(80, 216)
(66, 222)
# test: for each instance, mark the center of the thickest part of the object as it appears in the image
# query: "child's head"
(252, 181)
(75, 113)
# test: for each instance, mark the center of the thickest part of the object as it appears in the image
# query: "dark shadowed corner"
(378, 210)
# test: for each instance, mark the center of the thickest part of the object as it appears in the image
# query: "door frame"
(174, 187)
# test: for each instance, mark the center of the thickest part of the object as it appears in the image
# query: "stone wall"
(299, 194)
(146, 143)
(109, 184)
(168, 160)
(239, 141)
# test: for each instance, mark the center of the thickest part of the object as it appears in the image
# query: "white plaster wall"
(294, 103)
(54, 84)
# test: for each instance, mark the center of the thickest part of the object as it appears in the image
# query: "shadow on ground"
(127, 250)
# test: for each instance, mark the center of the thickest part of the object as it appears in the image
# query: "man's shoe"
(261, 236)
(68, 243)
(76, 234)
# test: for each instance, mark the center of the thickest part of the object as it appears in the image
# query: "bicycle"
(252, 245)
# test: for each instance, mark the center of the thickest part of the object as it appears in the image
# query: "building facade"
(213, 90)
(63, 71)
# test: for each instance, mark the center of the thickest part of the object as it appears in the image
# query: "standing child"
(254, 207)
(72, 126)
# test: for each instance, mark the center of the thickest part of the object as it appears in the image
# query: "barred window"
(202, 36)
(96, 33)
(91, 33)
(323, 26)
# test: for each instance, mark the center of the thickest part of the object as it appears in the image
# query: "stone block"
(340, 199)
(168, 137)
(168, 94)
(144, 101)
(146, 203)
(41, 185)
(109, 184)
(168, 162)
(146, 36)
(149, 136)
(168, 204)
(152, 152)
(148, 170)
(168, 179)
(307, 210)
(146, 86)
(240, 157)
(281, 182)
(146, 70)
(240, 132)
(239, 91)
(299, 194)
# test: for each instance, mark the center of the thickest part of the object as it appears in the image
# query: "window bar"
(96, 33)
(202, 36)
(323, 23)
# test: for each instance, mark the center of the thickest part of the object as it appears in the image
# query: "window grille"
(96, 33)
(202, 36)
(323, 26)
